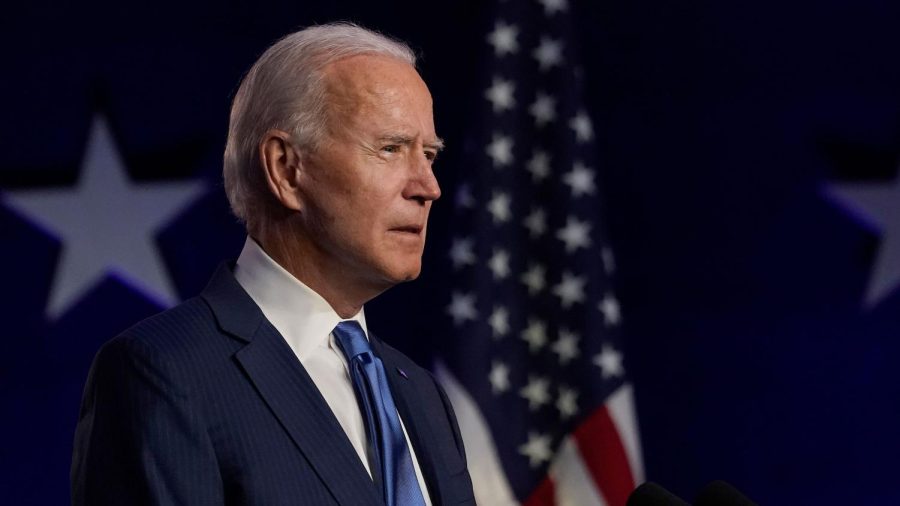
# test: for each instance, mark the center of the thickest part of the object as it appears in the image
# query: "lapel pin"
(402, 373)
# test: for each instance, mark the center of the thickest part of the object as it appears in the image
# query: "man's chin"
(404, 274)
(411, 277)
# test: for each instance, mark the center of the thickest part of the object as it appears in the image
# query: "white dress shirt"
(306, 320)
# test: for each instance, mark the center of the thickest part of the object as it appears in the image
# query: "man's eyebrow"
(403, 140)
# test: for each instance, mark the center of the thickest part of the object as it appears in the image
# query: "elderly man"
(267, 388)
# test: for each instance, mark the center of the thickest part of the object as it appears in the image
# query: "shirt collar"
(301, 315)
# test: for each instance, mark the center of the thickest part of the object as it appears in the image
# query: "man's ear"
(282, 163)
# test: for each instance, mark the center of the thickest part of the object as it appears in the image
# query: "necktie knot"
(351, 338)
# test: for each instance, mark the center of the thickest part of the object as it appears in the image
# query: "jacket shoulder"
(180, 337)
(173, 328)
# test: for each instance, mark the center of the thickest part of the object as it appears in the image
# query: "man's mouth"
(408, 229)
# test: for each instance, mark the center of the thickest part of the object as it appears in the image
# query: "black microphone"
(651, 494)
(719, 493)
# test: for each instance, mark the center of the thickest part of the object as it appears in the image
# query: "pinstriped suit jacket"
(206, 404)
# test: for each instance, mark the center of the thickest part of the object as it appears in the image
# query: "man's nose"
(422, 185)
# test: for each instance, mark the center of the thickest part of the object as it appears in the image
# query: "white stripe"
(621, 409)
(488, 479)
(574, 484)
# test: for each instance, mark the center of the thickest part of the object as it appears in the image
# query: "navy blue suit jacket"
(206, 404)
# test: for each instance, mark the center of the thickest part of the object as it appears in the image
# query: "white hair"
(284, 89)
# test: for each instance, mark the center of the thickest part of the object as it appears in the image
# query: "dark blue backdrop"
(723, 129)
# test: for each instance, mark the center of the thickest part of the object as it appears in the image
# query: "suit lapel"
(290, 393)
(417, 425)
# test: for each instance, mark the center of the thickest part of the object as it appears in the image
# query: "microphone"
(651, 494)
(719, 493)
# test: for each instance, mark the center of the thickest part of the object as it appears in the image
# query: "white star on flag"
(536, 223)
(537, 449)
(581, 124)
(580, 179)
(462, 307)
(533, 278)
(499, 207)
(499, 321)
(553, 6)
(461, 253)
(503, 38)
(567, 402)
(500, 150)
(500, 95)
(610, 362)
(538, 165)
(576, 234)
(570, 289)
(548, 53)
(536, 392)
(543, 109)
(535, 334)
(499, 264)
(499, 377)
(609, 306)
(566, 346)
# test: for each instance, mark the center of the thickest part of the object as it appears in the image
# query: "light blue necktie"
(385, 435)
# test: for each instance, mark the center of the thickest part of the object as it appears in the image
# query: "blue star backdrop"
(748, 159)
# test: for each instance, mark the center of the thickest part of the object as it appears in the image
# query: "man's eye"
(392, 148)
(430, 156)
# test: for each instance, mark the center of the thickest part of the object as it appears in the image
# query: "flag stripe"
(621, 410)
(604, 454)
(575, 485)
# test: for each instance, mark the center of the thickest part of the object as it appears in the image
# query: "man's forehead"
(380, 91)
(370, 74)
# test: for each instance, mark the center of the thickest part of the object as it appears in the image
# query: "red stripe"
(604, 457)
(543, 495)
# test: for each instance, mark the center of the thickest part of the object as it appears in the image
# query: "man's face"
(368, 187)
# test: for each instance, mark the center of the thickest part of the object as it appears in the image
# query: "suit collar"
(234, 310)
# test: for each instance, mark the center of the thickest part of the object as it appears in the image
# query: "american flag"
(535, 365)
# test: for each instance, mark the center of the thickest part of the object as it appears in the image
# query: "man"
(267, 389)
